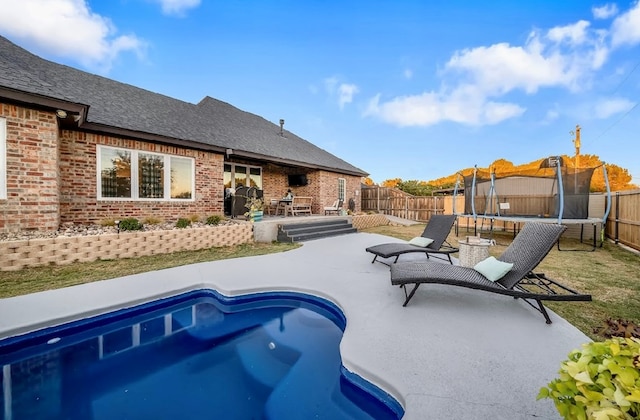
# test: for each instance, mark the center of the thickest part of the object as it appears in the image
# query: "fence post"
(616, 239)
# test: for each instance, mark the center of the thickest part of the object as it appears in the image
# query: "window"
(136, 175)
(3, 158)
(342, 188)
(237, 175)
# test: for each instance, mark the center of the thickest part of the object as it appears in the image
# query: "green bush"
(130, 223)
(213, 220)
(601, 381)
(183, 223)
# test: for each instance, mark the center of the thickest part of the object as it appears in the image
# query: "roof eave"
(155, 138)
(41, 101)
(294, 163)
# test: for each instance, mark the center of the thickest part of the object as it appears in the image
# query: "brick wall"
(78, 169)
(32, 170)
(52, 178)
(323, 186)
(329, 189)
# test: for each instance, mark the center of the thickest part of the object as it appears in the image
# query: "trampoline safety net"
(530, 193)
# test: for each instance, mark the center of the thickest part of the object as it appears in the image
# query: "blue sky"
(401, 89)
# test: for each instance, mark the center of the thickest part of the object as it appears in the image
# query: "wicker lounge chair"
(438, 228)
(526, 251)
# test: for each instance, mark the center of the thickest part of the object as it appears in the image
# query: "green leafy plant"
(255, 208)
(213, 220)
(601, 381)
(254, 204)
(183, 223)
(130, 223)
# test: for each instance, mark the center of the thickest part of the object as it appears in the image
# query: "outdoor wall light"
(61, 113)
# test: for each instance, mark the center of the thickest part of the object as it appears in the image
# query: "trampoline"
(551, 193)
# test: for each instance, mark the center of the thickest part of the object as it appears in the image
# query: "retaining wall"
(16, 255)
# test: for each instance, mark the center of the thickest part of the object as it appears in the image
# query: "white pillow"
(493, 269)
(421, 241)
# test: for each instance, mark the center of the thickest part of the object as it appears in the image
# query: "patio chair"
(336, 207)
(437, 229)
(526, 251)
(272, 208)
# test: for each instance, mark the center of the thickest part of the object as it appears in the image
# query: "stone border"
(16, 255)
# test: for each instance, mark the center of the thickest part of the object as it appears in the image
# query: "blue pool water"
(199, 355)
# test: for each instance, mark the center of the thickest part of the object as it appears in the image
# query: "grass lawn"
(610, 274)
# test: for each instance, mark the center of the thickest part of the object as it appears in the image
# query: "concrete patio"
(452, 353)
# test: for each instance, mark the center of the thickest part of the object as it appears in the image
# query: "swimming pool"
(197, 355)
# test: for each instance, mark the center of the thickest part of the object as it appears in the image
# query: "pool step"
(298, 232)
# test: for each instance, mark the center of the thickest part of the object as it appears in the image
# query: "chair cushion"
(493, 269)
(421, 241)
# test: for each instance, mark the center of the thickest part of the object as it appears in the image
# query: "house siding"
(32, 201)
(78, 200)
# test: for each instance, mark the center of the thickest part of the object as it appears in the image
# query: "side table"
(473, 250)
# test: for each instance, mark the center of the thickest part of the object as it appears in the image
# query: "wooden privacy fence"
(622, 226)
(623, 223)
(394, 202)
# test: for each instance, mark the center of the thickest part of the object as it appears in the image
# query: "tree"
(414, 187)
(368, 181)
(391, 183)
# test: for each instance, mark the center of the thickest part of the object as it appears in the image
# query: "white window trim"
(342, 189)
(3, 159)
(248, 178)
(134, 176)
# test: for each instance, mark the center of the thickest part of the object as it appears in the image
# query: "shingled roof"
(109, 106)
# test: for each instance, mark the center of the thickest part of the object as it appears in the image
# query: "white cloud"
(431, 108)
(343, 91)
(575, 34)
(605, 12)
(609, 107)
(345, 94)
(67, 28)
(626, 27)
(177, 7)
(475, 80)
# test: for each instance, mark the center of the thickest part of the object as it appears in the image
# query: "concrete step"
(305, 231)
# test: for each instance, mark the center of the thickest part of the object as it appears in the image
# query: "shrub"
(130, 223)
(213, 220)
(601, 381)
(194, 218)
(107, 222)
(183, 223)
(151, 220)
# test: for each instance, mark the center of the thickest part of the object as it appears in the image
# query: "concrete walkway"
(452, 353)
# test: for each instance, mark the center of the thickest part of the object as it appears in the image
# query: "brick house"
(81, 148)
